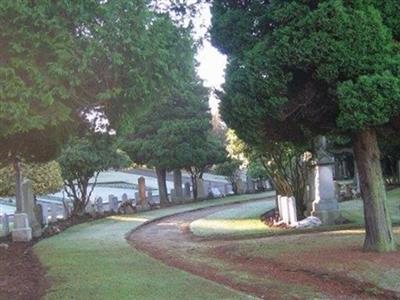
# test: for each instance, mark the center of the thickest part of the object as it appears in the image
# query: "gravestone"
(124, 198)
(21, 232)
(187, 193)
(150, 197)
(5, 224)
(200, 189)
(53, 212)
(173, 195)
(226, 189)
(28, 207)
(45, 213)
(324, 204)
(113, 203)
(178, 185)
(287, 210)
(142, 193)
(99, 205)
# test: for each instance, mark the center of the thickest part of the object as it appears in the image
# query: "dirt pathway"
(171, 241)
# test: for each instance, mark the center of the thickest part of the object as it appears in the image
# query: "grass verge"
(94, 261)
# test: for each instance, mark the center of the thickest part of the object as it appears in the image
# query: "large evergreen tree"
(302, 68)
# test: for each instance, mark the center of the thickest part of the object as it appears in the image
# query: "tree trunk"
(194, 186)
(378, 226)
(18, 185)
(178, 184)
(162, 185)
(79, 207)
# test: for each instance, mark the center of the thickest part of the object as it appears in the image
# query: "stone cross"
(28, 207)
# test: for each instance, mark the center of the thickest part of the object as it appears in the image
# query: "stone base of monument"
(327, 217)
(327, 211)
(21, 232)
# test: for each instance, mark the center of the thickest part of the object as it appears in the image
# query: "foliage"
(299, 69)
(46, 178)
(231, 170)
(41, 71)
(314, 68)
(82, 159)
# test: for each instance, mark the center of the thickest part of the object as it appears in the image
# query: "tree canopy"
(303, 68)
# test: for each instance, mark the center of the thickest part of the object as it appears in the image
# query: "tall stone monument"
(201, 194)
(142, 193)
(28, 207)
(324, 203)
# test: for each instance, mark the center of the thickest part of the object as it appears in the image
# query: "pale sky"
(212, 62)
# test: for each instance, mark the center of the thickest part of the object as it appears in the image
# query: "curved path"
(170, 240)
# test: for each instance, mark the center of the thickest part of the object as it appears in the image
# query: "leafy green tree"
(303, 68)
(162, 130)
(207, 151)
(231, 170)
(41, 72)
(82, 159)
(46, 178)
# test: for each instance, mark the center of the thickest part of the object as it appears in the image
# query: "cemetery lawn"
(318, 265)
(94, 261)
(243, 221)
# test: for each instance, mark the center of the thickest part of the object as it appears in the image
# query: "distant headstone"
(150, 196)
(200, 189)
(5, 224)
(21, 232)
(28, 207)
(124, 198)
(53, 212)
(142, 192)
(99, 205)
(113, 203)
(45, 213)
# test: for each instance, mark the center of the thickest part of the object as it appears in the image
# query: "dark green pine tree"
(304, 68)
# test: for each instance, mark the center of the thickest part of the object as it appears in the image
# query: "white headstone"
(53, 208)
(5, 224)
(292, 211)
(21, 232)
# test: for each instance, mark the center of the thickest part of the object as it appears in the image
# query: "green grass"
(244, 220)
(94, 261)
(239, 221)
(353, 210)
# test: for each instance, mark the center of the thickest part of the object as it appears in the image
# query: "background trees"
(299, 69)
(83, 158)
